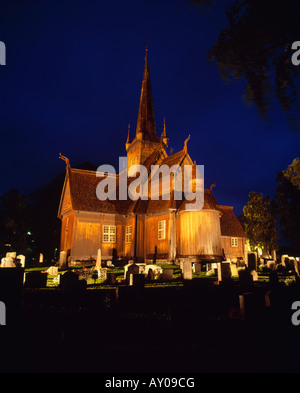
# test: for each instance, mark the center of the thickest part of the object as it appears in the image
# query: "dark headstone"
(245, 279)
(150, 276)
(132, 269)
(111, 279)
(197, 267)
(273, 279)
(138, 282)
(224, 271)
(35, 279)
(252, 261)
(167, 275)
(70, 282)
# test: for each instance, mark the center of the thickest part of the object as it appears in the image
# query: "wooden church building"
(144, 229)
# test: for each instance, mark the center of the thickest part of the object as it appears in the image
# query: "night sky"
(72, 84)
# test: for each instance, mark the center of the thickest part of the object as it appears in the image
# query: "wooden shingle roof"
(230, 225)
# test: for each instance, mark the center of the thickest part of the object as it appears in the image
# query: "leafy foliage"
(260, 222)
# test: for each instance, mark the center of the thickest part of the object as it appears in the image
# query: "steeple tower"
(145, 128)
(146, 139)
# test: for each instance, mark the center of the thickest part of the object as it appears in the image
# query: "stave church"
(143, 230)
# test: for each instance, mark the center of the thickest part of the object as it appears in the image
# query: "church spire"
(146, 128)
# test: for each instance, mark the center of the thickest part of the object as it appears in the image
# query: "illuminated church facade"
(145, 229)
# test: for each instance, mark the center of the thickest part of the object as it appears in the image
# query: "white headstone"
(283, 259)
(41, 260)
(62, 258)
(254, 275)
(7, 262)
(22, 259)
(98, 261)
(53, 270)
(187, 270)
(12, 255)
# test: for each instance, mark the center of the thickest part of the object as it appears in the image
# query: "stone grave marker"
(150, 275)
(234, 270)
(35, 279)
(7, 262)
(252, 261)
(137, 281)
(41, 259)
(196, 267)
(22, 259)
(224, 271)
(187, 270)
(297, 266)
(132, 269)
(98, 260)
(270, 264)
(245, 279)
(53, 270)
(111, 279)
(63, 259)
(167, 275)
(254, 275)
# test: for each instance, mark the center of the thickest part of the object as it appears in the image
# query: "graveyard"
(137, 317)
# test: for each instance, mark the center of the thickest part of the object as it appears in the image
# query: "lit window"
(109, 233)
(234, 242)
(128, 234)
(161, 230)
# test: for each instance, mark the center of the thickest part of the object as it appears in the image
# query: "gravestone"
(252, 261)
(132, 269)
(224, 271)
(53, 270)
(251, 306)
(167, 275)
(245, 279)
(289, 263)
(7, 262)
(196, 267)
(111, 279)
(254, 275)
(98, 260)
(234, 270)
(273, 279)
(155, 268)
(283, 259)
(21, 259)
(137, 281)
(270, 264)
(187, 270)
(35, 279)
(102, 273)
(297, 266)
(150, 276)
(63, 259)
(70, 283)
(41, 259)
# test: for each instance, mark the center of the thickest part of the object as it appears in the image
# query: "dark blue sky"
(72, 84)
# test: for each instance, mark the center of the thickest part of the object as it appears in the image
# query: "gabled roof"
(230, 225)
(83, 184)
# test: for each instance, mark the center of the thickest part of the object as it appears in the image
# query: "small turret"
(163, 136)
(128, 142)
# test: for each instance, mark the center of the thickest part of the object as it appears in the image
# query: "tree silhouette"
(256, 45)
